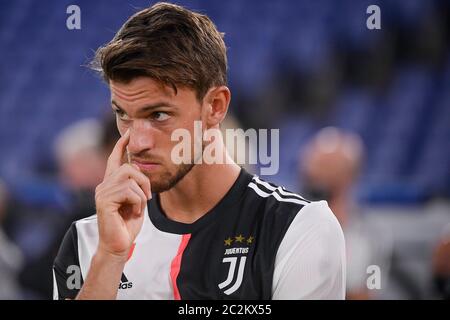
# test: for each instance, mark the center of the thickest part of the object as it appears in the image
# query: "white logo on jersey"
(230, 277)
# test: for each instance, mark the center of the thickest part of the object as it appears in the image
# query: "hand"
(120, 201)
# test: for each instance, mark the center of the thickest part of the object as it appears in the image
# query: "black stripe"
(284, 189)
(270, 183)
(293, 197)
(300, 197)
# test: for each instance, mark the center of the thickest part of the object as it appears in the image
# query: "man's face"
(152, 111)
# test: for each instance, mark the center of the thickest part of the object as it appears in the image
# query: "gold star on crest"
(228, 241)
(250, 240)
(239, 238)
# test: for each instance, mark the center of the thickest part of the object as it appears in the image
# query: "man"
(193, 230)
(11, 258)
(343, 154)
(78, 152)
(441, 264)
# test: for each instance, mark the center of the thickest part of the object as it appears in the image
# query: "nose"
(141, 137)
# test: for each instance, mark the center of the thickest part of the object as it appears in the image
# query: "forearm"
(103, 279)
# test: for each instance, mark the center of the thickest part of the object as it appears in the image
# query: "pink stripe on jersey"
(176, 265)
(130, 253)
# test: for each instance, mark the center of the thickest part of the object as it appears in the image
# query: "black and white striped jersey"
(259, 242)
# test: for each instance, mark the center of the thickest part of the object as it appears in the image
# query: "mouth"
(145, 165)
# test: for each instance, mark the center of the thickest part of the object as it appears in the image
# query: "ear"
(215, 106)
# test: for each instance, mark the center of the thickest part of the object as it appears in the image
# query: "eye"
(120, 114)
(160, 116)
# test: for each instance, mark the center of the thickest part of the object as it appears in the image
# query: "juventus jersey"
(259, 242)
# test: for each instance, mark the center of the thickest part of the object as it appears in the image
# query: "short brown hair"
(170, 44)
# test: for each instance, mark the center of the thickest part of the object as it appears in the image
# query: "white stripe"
(272, 188)
(55, 286)
(275, 195)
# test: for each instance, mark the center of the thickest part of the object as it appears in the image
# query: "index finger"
(116, 156)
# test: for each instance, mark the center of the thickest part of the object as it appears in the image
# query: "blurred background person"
(330, 165)
(441, 264)
(81, 151)
(11, 260)
(81, 164)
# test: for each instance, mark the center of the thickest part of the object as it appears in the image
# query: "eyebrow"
(146, 108)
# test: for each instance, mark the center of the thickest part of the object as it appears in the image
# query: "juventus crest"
(235, 257)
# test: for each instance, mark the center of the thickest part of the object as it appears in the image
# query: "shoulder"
(289, 217)
(79, 231)
(315, 222)
(76, 230)
(86, 226)
(279, 201)
(275, 199)
(87, 221)
(311, 256)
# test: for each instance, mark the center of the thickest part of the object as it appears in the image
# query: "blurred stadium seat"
(44, 86)
(293, 65)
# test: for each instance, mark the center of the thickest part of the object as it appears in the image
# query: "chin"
(159, 186)
(164, 180)
(154, 175)
(159, 182)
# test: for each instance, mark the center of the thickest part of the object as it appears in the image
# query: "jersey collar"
(161, 222)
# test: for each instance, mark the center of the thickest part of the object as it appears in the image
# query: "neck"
(199, 191)
(341, 205)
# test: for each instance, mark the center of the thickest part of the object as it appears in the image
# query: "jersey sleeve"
(310, 262)
(67, 279)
